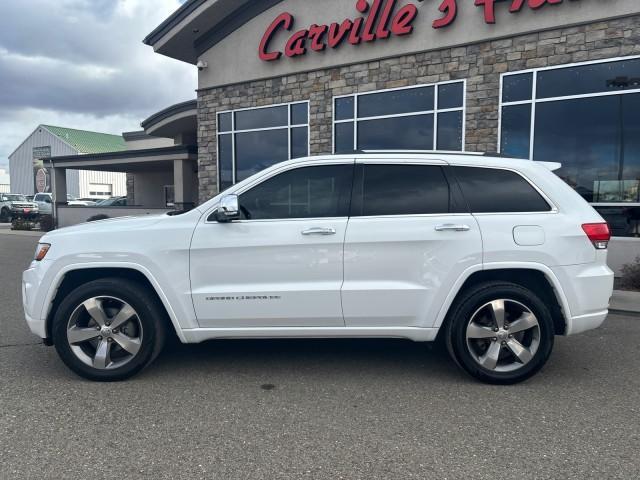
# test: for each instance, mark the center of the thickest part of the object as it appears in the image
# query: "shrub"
(631, 276)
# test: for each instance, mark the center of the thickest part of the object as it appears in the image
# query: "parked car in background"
(45, 201)
(113, 202)
(493, 256)
(13, 205)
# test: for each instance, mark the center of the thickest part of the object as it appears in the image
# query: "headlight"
(41, 251)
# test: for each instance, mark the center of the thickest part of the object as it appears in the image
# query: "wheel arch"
(538, 278)
(74, 276)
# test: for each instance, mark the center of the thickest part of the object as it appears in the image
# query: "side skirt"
(416, 334)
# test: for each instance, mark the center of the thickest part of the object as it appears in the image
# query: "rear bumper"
(588, 289)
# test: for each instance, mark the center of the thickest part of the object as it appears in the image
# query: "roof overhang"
(199, 24)
(126, 161)
(173, 120)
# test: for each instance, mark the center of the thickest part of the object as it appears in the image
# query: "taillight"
(598, 233)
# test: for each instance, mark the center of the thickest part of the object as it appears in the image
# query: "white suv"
(494, 256)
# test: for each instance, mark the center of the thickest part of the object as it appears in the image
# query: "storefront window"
(585, 117)
(429, 117)
(251, 140)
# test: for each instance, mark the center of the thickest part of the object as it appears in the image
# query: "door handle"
(450, 227)
(319, 231)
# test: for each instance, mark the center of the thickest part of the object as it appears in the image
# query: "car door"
(409, 239)
(281, 264)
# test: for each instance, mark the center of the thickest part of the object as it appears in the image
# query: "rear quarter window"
(491, 190)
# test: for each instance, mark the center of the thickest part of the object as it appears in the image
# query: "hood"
(108, 225)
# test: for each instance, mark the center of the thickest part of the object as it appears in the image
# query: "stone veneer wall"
(130, 189)
(480, 64)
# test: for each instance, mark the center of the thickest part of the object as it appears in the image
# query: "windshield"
(16, 198)
(71, 198)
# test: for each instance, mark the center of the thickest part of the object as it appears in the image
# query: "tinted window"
(256, 151)
(310, 192)
(516, 131)
(344, 108)
(517, 87)
(594, 78)
(299, 114)
(401, 190)
(492, 190)
(598, 142)
(450, 95)
(344, 137)
(396, 101)
(414, 132)
(449, 131)
(262, 118)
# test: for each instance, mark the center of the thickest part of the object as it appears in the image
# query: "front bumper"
(32, 299)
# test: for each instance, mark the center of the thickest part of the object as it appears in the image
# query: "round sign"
(41, 180)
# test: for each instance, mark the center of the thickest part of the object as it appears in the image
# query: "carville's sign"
(378, 20)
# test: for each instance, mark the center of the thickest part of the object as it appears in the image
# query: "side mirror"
(228, 210)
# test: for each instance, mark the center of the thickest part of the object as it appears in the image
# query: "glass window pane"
(396, 101)
(516, 131)
(401, 133)
(299, 114)
(450, 131)
(256, 151)
(599, 77)
(224, 122)
(624, 221)
(225, 161)
(584, 135)
(262, 118)
(344, 108)
(404, 190)
(450, 95)
(630, 161)
(516, 88)
(344, 137)
(299, 142)
(310, 192)
(508, 191)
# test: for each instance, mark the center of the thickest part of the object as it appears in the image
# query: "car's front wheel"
(5, 215)
(500, 333)
(109, 329)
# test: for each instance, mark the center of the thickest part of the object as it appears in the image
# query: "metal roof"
(88, 142)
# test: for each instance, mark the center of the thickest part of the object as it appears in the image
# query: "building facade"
(548, 80)
(30, 176)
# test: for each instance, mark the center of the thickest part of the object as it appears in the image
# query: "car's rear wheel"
(500, 333)
(109, 329)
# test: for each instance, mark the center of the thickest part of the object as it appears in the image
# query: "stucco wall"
(481, 64)
(235, 59)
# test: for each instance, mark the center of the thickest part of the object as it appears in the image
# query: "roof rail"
(432, 152)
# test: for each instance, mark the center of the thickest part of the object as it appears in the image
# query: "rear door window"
(491, 190)
(400, 190)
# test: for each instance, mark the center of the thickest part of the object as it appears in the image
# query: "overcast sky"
(82, 64)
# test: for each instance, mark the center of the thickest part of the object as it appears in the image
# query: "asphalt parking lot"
(352, 409)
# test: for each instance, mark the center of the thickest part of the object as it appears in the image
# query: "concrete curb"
(625, 302)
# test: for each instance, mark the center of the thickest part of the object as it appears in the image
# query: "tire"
(5, 216)
(117, 349)
(475, 344)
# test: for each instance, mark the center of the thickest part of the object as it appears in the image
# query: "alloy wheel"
(104, 332)
(503, 335)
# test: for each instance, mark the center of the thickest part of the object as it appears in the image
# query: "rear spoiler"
(552, 166)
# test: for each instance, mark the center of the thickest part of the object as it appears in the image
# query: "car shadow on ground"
(316, 356)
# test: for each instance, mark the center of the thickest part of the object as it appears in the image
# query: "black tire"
(462, 313)
(5, 216)
(149, 312)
